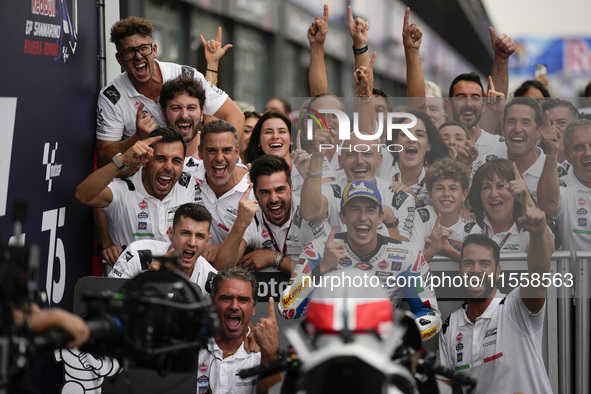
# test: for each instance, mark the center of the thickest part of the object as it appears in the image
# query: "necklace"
(231, 352)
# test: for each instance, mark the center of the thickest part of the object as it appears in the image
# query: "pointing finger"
(546, 121)
(406, 17)
(350, 15)
(325, 14)
(150, 140)
(371, 61)
(246, 193)
(516, 172)
(493, 34)
(332, 233)
(437, 221)
(219, 38)
(271, 314)
(298, 140)
(491, 85)
(140, 110)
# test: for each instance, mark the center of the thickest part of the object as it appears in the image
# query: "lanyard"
(273, 237)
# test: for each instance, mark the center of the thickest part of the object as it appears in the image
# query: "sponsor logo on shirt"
(395, 256)
(383, 265)
(143, 215)
(489, 343)
(460, 357)
(293, 294)
(363, 266)
(143, 205)
(142, 226)
(459, 337)
(581, 201)
(203, 367)
(345, 262)
(582, 222)
(267, 244)
(459, 346)
(491, 332)
(397, 250)
(582, 211)
(396, 266)
(383, 274)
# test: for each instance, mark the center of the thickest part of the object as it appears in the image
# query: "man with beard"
(189, 235)
(141, 206)
(133, 96)
(182, 100)
(466, 103)
(494, 338)
(220, 183)
(276, 232)
(234, 294)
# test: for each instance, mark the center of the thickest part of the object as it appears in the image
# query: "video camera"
(157, 320)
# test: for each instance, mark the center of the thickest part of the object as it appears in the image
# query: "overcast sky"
(541, 18)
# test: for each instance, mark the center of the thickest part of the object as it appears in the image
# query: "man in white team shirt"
(133, 95)
(466, 104)
(497, 338)
(220, 182)
(568, 199)
(276, 232)
(141, 206)
(189, 235)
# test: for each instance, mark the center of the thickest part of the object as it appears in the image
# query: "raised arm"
(93, 191)
(234, 245)
(214, 51)
(412, 37)
(503, 46)
(358, 28)
(317, 78)
(549, 199)
(314, 205)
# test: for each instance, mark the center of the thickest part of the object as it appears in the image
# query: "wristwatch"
(118, 162)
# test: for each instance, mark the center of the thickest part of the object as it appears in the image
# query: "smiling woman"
(270, 136)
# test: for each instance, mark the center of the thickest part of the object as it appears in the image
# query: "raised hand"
(466, 153)
(246, 208)
(144, 124)
(318, 29)
(495, 101)
(214, 50)
(551, 136)
(266, 331)
(532, 219)
(299, 157)
(140, 153)
(358, 28)
(333, 253)
(412, 36)
(502, 45)
(363, 78)
(519, 189)
(439, 236)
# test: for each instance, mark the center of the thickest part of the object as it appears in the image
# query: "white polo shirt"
(220, 374)
(295, 234)
(512, 240)
(129, 264)
(490, 146)
(574, 219)
(117, 104)
(423, 225)
(224, 210)
(134, 214)
(502, 350)
(419, 188)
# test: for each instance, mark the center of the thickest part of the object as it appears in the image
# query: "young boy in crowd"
(439, 229)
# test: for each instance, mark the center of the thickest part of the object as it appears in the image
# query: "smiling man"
(466, 103)
(182, 100)
(189, 235)
(276, 232)
(234, 294)
(141, 206)
(496, 338)
(398, 266)
(133, 95)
